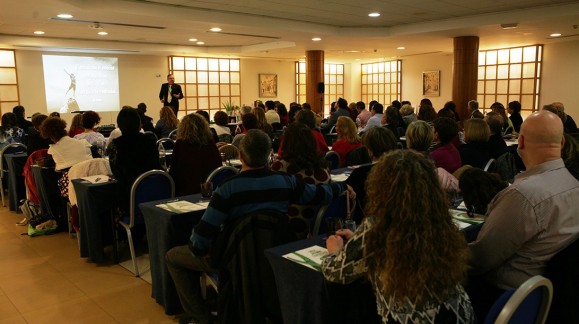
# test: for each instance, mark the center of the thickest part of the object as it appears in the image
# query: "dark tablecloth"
(165, 230)
(51, 203)
(306, 297)
(16, 188)
(95, 203)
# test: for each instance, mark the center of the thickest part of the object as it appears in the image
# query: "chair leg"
(132, 248)
(2, 192)
(115, 237)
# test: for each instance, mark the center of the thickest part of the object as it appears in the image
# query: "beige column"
(465, 72)
(315, 80)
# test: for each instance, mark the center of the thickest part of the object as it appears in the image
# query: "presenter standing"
(171, 93)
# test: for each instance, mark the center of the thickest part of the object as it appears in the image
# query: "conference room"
(111, 54)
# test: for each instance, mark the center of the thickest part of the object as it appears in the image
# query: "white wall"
(250, 70)
(561, 76)
(137, 79)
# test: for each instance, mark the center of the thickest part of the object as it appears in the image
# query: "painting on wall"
(267, 85)
(431, 83)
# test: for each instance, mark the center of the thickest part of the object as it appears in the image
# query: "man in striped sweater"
(255, 188)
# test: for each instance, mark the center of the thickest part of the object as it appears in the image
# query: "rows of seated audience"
(436, 156)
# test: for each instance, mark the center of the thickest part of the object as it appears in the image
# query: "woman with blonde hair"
(476, 136)
(167, 122)
(348, 138)
(194, 155)
(419, 136)
(262, 121)
(411, 251)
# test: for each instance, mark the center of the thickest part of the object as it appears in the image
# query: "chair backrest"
(238, 253)
(11, 148)
(167, 143)
(219, 175)
(173, 135)
(98, 166)
(149, 186)
(506, 166)
(333, 159)
(151, 134)
(562, 270)
(527, 304)
(230, 151)
(318, 221)
(358, 156)
(276, 126)
(227, 138)
(490, 166)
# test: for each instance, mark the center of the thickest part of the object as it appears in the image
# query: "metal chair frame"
(2, 170)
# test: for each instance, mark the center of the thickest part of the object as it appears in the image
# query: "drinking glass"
(350, 224)
(333, 224)
(206, 190)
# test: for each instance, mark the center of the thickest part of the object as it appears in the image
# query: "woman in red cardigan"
(348, 138)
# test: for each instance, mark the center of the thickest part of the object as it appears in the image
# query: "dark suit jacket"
(175, 89)
(475, 114)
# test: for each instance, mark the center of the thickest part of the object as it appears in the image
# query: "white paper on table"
(461, 206)
(463, 217)
(181, 206)
(96, 178)
(310, 257)
(340, 177)
(235, 162)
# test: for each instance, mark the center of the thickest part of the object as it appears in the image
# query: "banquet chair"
(165, 146)
(318, 221)
(167, 143)
(562, 270)
(230, 151)
(358, 156)
(11, 148)
(490, 166)
(527, 304)
(243, 270)
(173, 135)
(333, 159)
(149, 186)
(222, 173)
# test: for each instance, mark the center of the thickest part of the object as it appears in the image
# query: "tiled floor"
(43, 280)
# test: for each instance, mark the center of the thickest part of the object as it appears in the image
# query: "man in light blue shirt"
(376, 119)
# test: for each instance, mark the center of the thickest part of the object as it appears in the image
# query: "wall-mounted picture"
(431, 83)
(267, 85)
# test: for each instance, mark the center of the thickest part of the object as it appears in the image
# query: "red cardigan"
(343, 147)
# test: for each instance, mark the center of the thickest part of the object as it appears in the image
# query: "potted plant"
(230, 108)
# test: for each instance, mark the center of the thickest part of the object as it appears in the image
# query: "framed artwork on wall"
(267, 85)
(431, 83)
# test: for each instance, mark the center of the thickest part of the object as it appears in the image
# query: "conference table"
(96, 204)
(165, 230)
(16, 188)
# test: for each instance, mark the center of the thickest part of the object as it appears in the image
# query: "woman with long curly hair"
(413, 254)
(348, 138)
(167, 122)
(194, 155)
(301, 159)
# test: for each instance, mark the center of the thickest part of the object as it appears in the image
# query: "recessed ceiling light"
(509, 26)
(103, 33)
(200, 43)
(374, 14)
(351, 51)
(316, 39)
(38, 32)
(192, 39)
(215, 29)
(64, 16)
(555, 35)
(400, 48)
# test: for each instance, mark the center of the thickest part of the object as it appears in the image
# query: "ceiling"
(283, 29)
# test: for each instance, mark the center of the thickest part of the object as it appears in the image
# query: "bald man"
(536, 217)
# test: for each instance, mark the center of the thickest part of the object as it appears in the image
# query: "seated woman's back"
(194, 155)
(9, 131)
(300, 158)
(348, 138)
(167, 122)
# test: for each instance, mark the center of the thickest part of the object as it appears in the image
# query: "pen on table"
(97, 180)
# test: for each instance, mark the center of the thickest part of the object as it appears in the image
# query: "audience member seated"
(445, 154)
(131, 154)
(262, 121)
(353, 108)
(9, 131)
(36, 142)
(167, 122)
(146, 121)
(65, 151)
(475, 112)
(89, 120)
(283, 114)
(240, 196)
(301, 159)
(450, 105)
(342, 110)
(21, 121)
(307, 118)
(393, 121)
(194, 155)
(408, 115)
(294, 109)
(497, 145)
(409, 248)
(514, 109)
(377, 140)
(363, 115)
(248, 122)
(221, 127)
(478, 189)
(506, 124)
(348, 138)
(528, 222)
(476, 135)
(75, 125)
(558, 108)
(427, 113)
(419, 137)
(570, 155)
(205, 116)
(377, 111)
(271, 115)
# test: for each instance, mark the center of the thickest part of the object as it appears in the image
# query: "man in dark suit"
(473, 106)
(171, 93)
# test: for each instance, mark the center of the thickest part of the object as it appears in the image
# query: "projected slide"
(81, 83)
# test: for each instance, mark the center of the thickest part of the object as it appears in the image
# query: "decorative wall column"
(465, 73)
(315, 80)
